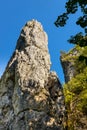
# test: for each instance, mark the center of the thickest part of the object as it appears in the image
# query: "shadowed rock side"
(31, 96)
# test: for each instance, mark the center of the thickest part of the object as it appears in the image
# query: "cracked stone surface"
(31, 96)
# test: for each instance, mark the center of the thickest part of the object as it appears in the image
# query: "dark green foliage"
(71, 8)
(79, 39)
(61, 20)
(83, 59)
(82, 21)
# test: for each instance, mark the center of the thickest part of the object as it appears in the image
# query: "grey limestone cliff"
(68, 63)
(31, 96)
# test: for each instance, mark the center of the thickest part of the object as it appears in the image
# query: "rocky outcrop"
(68, 63)
(68, 70)
(31, 96)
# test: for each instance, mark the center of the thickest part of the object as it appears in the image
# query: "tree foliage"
(75, 90)
(71, 8)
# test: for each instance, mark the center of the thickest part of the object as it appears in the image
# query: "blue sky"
(13, 16)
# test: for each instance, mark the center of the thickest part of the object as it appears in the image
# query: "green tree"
(71, 8)
(75, 90)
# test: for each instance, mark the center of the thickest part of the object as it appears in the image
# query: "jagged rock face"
(67, 62)
(31, 96)
(68, 69)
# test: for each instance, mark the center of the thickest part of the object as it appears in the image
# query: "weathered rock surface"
(67, 62)
(31, 96)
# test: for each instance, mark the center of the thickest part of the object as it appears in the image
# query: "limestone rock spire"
(31, 96)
